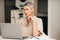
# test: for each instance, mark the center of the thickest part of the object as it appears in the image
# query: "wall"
(18, 2)
(54, 19)
(2, 11)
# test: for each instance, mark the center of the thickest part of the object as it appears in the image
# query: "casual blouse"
(27, 28)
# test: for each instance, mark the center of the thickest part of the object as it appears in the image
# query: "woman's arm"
(35, 30)
(37, 26)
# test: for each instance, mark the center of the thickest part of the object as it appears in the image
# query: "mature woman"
(32, 25)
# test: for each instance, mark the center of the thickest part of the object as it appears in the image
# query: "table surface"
(1, 38)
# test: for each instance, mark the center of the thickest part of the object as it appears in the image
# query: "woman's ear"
(32, 9)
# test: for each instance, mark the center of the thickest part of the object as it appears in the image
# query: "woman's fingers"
(30, 17)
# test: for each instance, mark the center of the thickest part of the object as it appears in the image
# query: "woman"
(32, 26)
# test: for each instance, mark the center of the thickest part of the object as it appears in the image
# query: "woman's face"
(27, 11)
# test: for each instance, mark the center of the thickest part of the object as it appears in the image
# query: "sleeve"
(40, 25)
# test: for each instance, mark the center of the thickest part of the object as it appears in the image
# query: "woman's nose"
(24, 11)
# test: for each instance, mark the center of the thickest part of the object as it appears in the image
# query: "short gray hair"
(30, 4)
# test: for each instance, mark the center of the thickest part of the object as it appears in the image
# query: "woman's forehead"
(26, 7)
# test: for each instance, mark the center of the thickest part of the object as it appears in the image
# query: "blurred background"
(48, 10)
(13, 11)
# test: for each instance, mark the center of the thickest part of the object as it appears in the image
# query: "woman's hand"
(35, 30)
(31, 17)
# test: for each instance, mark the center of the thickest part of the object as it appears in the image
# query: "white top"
(27, 29)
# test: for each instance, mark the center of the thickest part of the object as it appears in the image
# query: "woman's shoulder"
(38, 19)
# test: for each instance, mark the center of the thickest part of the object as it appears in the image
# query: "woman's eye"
(26, 9)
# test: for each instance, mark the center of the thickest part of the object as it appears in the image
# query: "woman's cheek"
(29, 12)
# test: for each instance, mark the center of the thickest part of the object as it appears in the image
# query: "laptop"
(11, 30)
